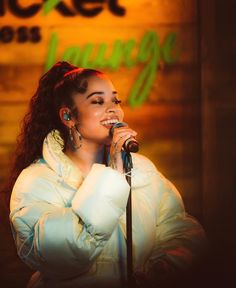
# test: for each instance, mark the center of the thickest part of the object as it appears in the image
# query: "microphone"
(131, 144)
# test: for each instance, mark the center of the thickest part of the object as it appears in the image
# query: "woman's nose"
(112, 107)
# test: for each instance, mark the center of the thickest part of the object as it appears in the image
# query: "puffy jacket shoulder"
(142, 162)
(35, 183)
(167, 196)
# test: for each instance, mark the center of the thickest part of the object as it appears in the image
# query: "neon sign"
(149, 52)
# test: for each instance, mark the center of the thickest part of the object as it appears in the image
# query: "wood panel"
(163, 120)
(172, 84)
(219, 137)
(138, 12)
(74, 36)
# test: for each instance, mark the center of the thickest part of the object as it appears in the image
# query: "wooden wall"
(168, 123)
(218, 26)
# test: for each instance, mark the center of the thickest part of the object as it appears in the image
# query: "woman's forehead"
(102, 85)
(95, 82)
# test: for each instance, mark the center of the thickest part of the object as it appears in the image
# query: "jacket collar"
(57, 160)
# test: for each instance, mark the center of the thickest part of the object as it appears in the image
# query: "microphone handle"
(131, 144)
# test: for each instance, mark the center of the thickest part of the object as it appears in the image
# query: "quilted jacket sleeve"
(180, 239)
(64, 241)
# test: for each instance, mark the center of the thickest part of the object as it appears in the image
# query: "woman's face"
(98, 110)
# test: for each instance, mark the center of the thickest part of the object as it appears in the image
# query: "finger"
(123, 131)
(123, 134)
(120, 142)
(122, 128)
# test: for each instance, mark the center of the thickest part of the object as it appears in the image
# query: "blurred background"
(173, 64)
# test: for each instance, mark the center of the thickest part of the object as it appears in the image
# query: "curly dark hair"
(55, 90)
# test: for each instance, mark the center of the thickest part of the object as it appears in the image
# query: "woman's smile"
(109, 122)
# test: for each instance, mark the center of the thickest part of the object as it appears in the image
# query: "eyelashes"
(101, 101)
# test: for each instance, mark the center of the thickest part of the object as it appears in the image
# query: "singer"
(70, 192)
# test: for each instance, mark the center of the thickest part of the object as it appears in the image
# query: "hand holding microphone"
(122, 137)
(126, 137)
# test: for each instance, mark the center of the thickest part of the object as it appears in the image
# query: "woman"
(68, 202)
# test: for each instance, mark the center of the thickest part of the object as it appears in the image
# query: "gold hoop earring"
(73, 143)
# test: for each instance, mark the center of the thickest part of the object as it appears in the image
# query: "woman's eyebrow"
(96, 92)
(100, 93)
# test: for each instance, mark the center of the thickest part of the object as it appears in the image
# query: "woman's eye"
(100, 102)
(117, 101)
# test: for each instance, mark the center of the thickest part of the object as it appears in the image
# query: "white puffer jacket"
(73, 230)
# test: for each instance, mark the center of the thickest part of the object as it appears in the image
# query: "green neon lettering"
(85, 60)
(144, 51)
(49, 5)
(169, 52)
(53, 43)
(100, 61)
(115, 58)
(149, 51)
(77, 57)
(127, 51)
(72, 55)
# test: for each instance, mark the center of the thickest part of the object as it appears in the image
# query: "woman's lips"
(108, 126)
(109, 122)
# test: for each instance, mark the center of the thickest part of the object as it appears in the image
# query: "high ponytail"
(56, 88)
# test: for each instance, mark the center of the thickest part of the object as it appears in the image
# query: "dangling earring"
(74, 145)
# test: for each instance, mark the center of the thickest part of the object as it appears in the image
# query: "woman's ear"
(66, 117)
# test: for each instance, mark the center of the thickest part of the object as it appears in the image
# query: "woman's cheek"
(121, 114)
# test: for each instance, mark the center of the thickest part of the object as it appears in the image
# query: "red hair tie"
(72, 71)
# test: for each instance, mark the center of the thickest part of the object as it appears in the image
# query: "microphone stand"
(128, 165)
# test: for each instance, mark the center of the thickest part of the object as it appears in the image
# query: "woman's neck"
(86, 156)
